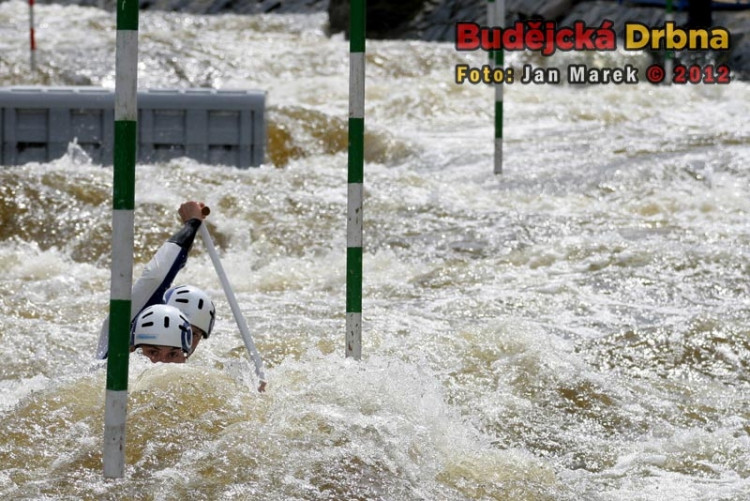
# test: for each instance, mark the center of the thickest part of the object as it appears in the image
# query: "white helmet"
(162, 325)
(195, 304)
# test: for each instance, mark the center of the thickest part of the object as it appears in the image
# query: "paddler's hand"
(191, 210)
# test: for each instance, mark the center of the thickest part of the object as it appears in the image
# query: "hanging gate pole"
(496, 18)
(32, 38)
(355, 179)
(669, 55)
(123, 201)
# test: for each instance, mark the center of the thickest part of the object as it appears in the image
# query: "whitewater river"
(575, 329)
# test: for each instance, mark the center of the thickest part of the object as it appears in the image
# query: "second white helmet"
(195, 305)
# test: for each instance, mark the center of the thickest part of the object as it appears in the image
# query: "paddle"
(229, 293)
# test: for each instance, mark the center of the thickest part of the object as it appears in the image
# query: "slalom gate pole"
(32, 39)
(490, 22)
(496, 18)
(669, 55)
(123, 201)
(233, 304)
(355, 178)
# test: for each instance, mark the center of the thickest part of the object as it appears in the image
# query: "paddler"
(154, 286)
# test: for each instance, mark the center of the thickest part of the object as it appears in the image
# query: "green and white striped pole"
(123, 201)
(669, 55)
(496, 18)
(355, 179)
(490, 20)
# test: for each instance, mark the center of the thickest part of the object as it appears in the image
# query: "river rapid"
(573, 329)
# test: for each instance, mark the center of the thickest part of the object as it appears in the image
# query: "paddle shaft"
(229, 293)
